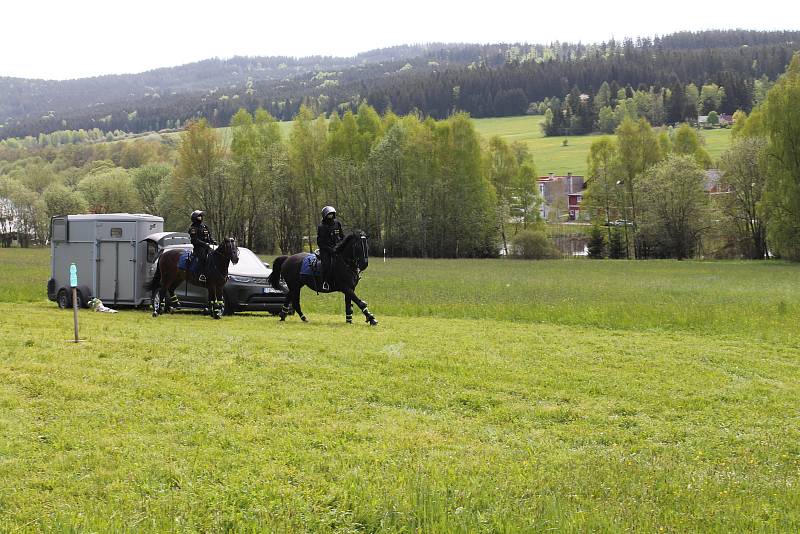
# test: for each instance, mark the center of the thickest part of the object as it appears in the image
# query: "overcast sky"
(71, 39)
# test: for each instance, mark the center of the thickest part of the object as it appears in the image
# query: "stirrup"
(201, 278)
(325, 286)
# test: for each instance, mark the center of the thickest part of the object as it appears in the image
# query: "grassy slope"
(494, 424)
(549, 153)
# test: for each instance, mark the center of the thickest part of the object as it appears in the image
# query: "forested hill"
(435, 79)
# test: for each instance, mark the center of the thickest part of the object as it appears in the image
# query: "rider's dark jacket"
(329, 234)
(201, 237)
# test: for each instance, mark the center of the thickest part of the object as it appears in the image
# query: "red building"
(562, 196)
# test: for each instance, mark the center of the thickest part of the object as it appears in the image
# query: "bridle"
(358, 252)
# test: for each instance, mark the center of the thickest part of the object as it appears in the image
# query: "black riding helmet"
(196, 215)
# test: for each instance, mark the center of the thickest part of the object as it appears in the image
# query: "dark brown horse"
(350, 259)
(168, 277)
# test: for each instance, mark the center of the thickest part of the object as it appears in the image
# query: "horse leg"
(296, 304)
(349, 293)
(285, 308)
(156, 303)
(348, 309)
(174, 302)
(212, 302)
(219, 304)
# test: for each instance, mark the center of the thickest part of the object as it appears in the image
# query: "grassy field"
(496, 396)
(550, 154)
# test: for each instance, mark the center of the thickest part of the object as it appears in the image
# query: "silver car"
(247, 288)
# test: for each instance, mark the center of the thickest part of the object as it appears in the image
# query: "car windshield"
(249, 263)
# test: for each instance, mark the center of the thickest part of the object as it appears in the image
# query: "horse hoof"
(349, 321)
(216, 316)
(155, 313)
(373, 322)
(304, 319)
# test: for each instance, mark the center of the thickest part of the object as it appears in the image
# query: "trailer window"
(116, 232)
(59, 230)
(152, 250)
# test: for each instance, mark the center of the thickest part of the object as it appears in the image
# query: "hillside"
(434, 79)
(550, 154)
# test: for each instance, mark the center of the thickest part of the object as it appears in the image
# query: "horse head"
(229, 250)
(354, 248)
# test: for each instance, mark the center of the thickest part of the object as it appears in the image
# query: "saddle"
(189, 262)
(311, 266)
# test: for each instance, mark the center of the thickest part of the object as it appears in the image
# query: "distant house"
(725, 119)
(712, 183)
(562, 197)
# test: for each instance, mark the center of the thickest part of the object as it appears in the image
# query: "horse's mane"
(349, 237)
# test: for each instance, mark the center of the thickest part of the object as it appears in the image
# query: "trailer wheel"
(62, 300)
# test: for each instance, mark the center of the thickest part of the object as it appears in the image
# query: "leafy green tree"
(23, 209)
(147, 180)
(203, 180)
(60, 200)
(306, 157)
(638, 149)
(465, 227)
(603, 197)
(503, 170)
(606, 120)
(713, 118)
(111, 191)
(782, 121)
(674, 207)
(744, 175)
(686, 141)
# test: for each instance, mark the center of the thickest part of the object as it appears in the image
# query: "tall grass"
(496, 396)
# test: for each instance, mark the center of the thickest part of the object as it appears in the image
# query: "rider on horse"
(200, 236)
(329, 234)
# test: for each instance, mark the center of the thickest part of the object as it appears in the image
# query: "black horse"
(350, 258)
(168, 276)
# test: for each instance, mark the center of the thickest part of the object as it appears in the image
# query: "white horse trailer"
(112, 253)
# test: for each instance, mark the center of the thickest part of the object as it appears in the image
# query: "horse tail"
(154, 284)
(275, 276)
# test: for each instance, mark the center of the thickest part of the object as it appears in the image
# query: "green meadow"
(551, 155)
(495, 396)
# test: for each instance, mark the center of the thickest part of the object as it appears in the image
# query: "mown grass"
(432, 422)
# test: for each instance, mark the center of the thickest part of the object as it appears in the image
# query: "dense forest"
(435, 80)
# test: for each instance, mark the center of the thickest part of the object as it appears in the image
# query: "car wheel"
(229, 308)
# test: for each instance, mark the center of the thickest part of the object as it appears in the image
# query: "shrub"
(597, 244)
(534, 245)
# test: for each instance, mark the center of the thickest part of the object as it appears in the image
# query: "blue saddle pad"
(311, 266)
(186, 265)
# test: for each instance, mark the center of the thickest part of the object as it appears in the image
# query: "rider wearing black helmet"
(329, 234)
(201, 238)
